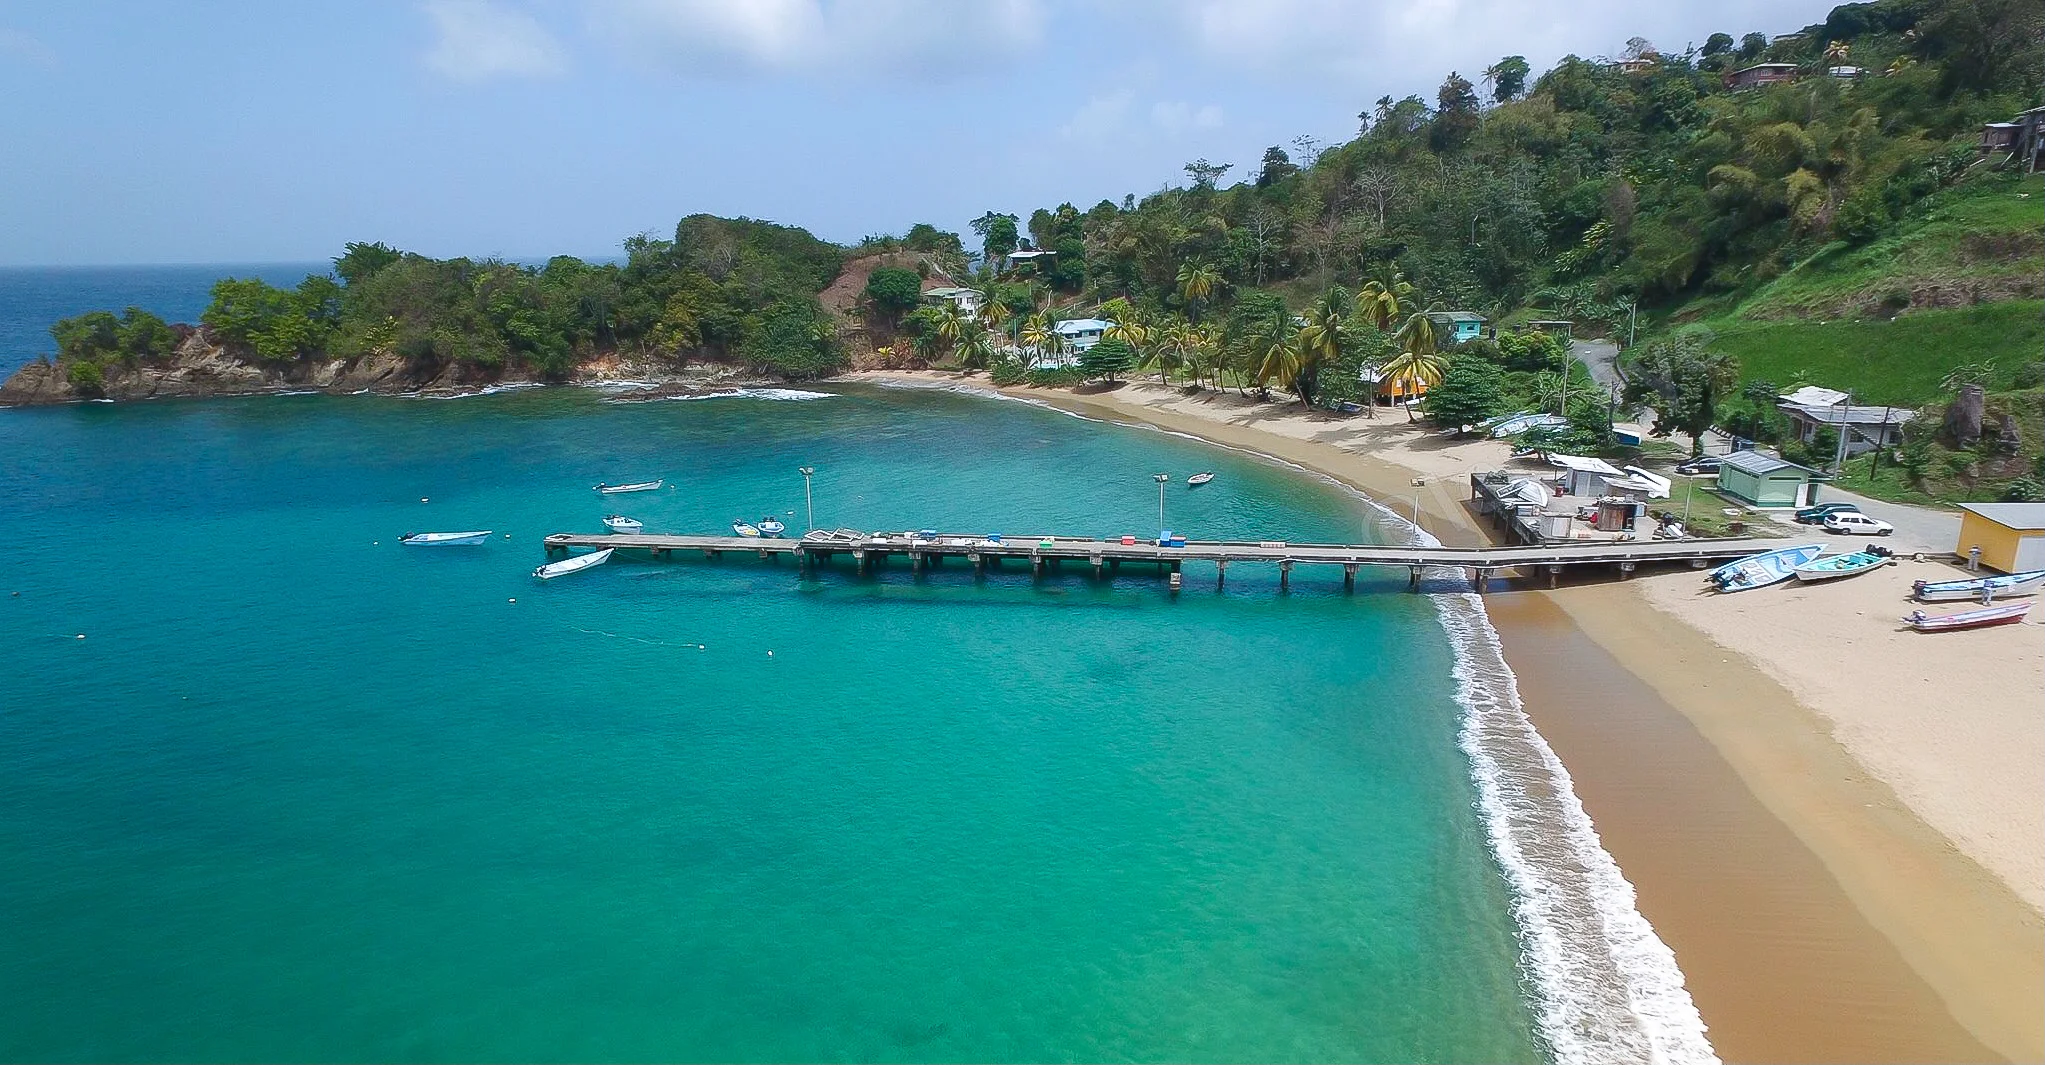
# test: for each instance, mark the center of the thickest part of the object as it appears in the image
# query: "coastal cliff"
(200, 367)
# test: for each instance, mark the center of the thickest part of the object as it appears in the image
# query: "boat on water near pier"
(636, 486)
(445, 539)
(2007, 584)
(772, 527)
(1199, 479)
(746, 529)
(572, 565)
(622, 524)
(2004, 614)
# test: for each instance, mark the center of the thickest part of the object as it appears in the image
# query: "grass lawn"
(1899, 361)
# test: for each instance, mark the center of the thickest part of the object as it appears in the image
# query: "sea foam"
(759, 393)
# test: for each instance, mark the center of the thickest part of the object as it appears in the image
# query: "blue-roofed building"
(1082, 333)
(1456, 326)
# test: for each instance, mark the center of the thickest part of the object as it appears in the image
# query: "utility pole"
(1845, 406)
(1632, 316)
(1161, 480)
(808, 508)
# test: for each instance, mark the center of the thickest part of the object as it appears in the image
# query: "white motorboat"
(1199, 479)
(772, 527)
(636, 486)
(447, 539)
(618, 523)
(744, 528)
(572, 565)
(2003, 586)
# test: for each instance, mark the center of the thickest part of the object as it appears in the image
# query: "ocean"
(273, 786)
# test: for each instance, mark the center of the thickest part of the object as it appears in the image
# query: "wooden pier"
(872, 551)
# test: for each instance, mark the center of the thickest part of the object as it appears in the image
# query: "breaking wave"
(759, 393)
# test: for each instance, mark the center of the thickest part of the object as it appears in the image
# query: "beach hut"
(1456, 326)
(1764, 480)
(2010, 536)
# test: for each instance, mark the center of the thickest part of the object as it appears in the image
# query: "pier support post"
(865, 563)
(1176, 578)
(1554, 575)
(1697, 563)
(1285, 575)
(803, 563)
(1036, 566)
(1626, 569)
(710, 554)
(916, 561)
(1349, 576)
(1114, 566)
(1096, 560)
(979, 564)
(1220, 573)
(1413, 578)
(1482, 580)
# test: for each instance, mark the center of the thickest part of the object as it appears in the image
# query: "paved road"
(1917, 528)
(1601, 358)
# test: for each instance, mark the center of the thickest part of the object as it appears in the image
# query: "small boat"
(618, 523)
(1764, 569)
(744, 528)
(2008, 584)
(636, 486)
(1199, 479)
(772, 528)
(451, 539)
(572, 565)
(1979, 618)
(1832, 567)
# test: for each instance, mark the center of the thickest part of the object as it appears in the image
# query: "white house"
(1028, 256)
(965, 299)
(1080, 334)
(1865, 428)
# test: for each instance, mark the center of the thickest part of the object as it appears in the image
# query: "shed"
(2011, 536)
(1457, 325)
(1764, 480)
(1760, 74)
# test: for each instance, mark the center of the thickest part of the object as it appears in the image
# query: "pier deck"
(875, 549)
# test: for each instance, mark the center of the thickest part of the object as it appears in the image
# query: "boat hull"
(1985, 617)
(572, 565)
(621, 489)
(1837, 566)
(2008, 585)
(1764, 569)
(623, 525)
(460, 539)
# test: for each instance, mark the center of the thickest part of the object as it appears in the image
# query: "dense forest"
(1653, 193)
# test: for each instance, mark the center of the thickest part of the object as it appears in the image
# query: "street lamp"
(1160, 478)
(808, 508)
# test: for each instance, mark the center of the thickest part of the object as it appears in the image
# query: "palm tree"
(976, 347)
(1039, 334)
(993, 312)
(1197, 284)
(1319, 342)
(1408, 369)
(1133, 329)
(951, 323)
(1383, 297)
(1274, 351)
(1174, 343)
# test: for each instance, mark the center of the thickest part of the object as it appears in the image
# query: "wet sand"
(1835, 928)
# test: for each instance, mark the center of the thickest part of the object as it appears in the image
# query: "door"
(2030, 553)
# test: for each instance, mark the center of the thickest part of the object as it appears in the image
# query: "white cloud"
(478, 40)
(1173, 116)
(886, 38)
(1099, 118)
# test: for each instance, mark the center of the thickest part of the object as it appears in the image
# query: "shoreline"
(1897, 942)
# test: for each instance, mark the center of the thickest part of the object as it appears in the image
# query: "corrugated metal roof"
(1854, 415)
(1083, 325)
(1761, 465)
(2026, 516)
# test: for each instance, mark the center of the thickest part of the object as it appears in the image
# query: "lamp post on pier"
(808, 508)
(1161, 479)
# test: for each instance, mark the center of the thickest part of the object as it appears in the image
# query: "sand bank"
(1848, 866)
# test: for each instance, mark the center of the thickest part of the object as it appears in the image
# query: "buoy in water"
(422, 499)
(81, 636)
(513, 599)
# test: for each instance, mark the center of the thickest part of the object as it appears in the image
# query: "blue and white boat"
(1832, 567)
(572, 565)
(772, 527)
(1764, 569)
(2008, 584)
(446, 539)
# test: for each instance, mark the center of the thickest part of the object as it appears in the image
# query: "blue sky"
(215, 132)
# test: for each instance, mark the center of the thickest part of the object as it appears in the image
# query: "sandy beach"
(1837, 824)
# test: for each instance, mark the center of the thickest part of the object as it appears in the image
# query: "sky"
(219, 131)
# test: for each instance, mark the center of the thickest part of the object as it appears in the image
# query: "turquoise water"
(301, 793)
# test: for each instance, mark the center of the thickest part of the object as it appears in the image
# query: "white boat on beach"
(446, 539)
(2007, 584)
(618, 523)
(1764, 569)
(636, 486)
(572, 565)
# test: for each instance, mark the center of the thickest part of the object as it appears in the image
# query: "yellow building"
(2011, 536)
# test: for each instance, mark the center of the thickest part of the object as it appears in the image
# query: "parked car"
(1817, 515)
(1854, 523)
(1700, 464)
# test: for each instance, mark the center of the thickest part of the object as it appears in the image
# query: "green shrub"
(86, 379)
(1009, 372)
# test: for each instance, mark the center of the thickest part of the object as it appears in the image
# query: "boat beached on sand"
(572, 565)
(636, 486)
(1764, 569)
(446, 539)
(2008, 584)
(1832, 567)
(618, 523)
(1978, 618)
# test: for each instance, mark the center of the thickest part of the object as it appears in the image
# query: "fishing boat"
(1978, 618)
(744, 528)
(1832, 567)
(636, 486)
(572, 565)
(2008, 584)
(618, 523)
(1764, 569)
(1199, 479)
(448, 539)
(772, 527)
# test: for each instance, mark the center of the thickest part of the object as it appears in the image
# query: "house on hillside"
(1764, 480)
(965, 299)
(1395, 390)
(1846, 73)
(1561, 327)
(1080, 334)
(1865, 428)
(1456, 326)
(1759, 75)
(1029, 257)
(1643, 64)
(2023, 137)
